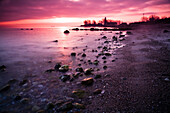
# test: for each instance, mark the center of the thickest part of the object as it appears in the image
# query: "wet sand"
(137, 81)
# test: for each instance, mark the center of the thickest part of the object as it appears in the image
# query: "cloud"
(11, 10)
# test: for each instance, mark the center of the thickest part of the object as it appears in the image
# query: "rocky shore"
(126, 73)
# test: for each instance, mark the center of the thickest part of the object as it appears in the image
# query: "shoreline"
(134, 82)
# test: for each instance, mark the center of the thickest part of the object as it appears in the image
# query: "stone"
(64, 68)
(24, 100)
(17, 97)
(35, 108)
(104, 61)
(87, 81)
(5, 88)
(66, 106)
(128, 32)
(12, 81)
(104, 37)
(50, 70)
(73, 54)
(165, 31)
(107, 54)
(114, 38)
(79, 106)
(66, 31)
(104, 57)
(121, 39)
(83, 55)
(113, 60)
(96, 62)
(97, 76)
(104, 67)
(79, 69)
(40, 111)
(57, 66)
(49, 106)
(79, 93)
(55, 41)
(88, 71)
(97, 91)
(121, 36)
(65, 78)
(23, 82)
(3, 68)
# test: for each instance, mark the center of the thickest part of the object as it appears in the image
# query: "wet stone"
(5, 88)
(24, 100)
(35, 108)
(66, 106)
(17, 97)
(64, 68)
(108, 54)
(113, 60)
(83, 55)
(57, 66)
(66, 31)
(104, 61)
(97, 91)
(165, 31)
(79, 106)
(88, 71)
(114, 38)
(121, 36)
(87, 81)
(12, 81)
(23, 82)
(2, 68)
(96, 62)
(49, 106)
(129, 33)
(79, 93)
(64, 77)
(104, 37)
(97, 76)
(73, 54)
(49, 70)
(40, 111)
(80, 69)
(55, 41)
(104, 57)
(104, 67)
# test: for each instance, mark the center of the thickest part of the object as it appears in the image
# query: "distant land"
(153, 19)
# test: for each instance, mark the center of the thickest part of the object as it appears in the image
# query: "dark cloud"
(39, 9)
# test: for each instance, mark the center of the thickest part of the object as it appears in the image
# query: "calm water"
(28, 51)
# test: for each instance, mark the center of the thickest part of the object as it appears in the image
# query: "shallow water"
(28, 51)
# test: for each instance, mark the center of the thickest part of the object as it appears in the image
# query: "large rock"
(87, 81)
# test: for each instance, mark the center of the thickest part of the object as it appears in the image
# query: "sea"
(34, 51)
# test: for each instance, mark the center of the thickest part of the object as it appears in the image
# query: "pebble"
(97, 91)
(79, 106)
(5, 88)
(87, 81)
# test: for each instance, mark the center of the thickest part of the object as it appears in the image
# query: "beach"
(130, 75)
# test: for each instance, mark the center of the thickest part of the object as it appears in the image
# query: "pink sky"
(67, 11)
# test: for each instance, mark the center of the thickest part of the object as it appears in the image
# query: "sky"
(76, 11)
